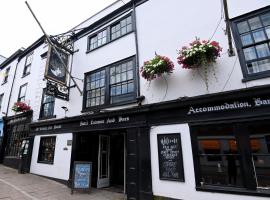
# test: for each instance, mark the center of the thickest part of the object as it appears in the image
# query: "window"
(252, 36)
(15, 137)
(22, 93)
(28, 62)
(47, 106)
(46, 149)
(98, 40)
(121, 28)
(1, 99)
(111, 85)
(232, 156)
(6, 75)
(118, 29)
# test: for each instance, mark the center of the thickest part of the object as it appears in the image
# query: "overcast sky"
(18, 28)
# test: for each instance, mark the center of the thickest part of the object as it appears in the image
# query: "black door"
(26, 155)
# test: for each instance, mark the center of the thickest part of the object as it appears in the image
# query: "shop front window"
(46, 150)
(235, 155)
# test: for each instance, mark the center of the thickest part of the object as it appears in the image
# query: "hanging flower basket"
(199, 53)
(156, 67)
(20, 107)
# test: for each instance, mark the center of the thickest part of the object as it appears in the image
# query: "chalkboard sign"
(170, 157)
(81, 179)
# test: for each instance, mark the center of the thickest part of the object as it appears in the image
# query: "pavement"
(14, 186)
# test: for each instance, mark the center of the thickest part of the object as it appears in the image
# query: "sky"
(19, 29)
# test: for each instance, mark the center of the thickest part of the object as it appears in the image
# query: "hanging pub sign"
(57, 90)
(55, 68)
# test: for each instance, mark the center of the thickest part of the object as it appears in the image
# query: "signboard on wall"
(55, 69)
(57, 90)
(170, 157)
(81, 179)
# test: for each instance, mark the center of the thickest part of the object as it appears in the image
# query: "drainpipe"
(137, 47)
(228, 29)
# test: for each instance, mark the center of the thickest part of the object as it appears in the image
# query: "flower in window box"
(20, 107)
(200, 55)
(156, 67)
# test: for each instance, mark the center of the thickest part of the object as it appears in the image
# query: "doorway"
(106, 151)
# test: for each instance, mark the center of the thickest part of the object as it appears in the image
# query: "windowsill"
(24, 75)
(48, 117)
(258, 76)
(4, 83)
(45, 162)
(88, 51)
(98, 108)
(233, 190)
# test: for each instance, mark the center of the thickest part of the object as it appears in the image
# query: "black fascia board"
(172, 104)
(121, 10)
(11, 58)
(32, 47)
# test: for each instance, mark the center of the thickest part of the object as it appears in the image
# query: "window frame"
(27, 66)
(19, 95)
(108, 29)
(41, 114)
(107, 86)
(1, 100)
(242, 136)
(5, 79)
(40, 150)
(240, 47)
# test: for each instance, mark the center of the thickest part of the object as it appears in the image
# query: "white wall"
(164, 27)
(61, 165)
(182, 190)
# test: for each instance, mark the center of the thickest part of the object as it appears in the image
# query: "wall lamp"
(65, 109)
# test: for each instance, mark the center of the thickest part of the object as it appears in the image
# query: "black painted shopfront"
(16, 130)
(229, 133)
(117, 144)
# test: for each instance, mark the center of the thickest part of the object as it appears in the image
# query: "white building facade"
(186, 135)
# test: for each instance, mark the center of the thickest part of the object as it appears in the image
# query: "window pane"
(130, 75)
(259, 66)
(243, 27)
(219, 159)
(124, 89)
(262, 50)
(246, 39)
(129, 28)
(267, 30)
(266, 19)
(130, 87)
(123, 30)
(254, 23)
(250, 53)
(259, 35)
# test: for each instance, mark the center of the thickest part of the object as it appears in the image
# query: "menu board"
(170, 157)
(81, 179)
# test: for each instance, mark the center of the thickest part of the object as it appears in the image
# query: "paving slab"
(14, 186)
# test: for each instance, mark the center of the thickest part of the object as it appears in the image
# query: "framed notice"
(170, 157)
(55, 69)
(81, 179)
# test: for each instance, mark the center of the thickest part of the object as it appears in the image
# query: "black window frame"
(19, 95)
(241, 135)
(41, 113)
(40, 151)
(5, 79)
(27, 67)
(1, 100)
(240, 47)
(107, 102)
(108, 35)
(97, 39)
